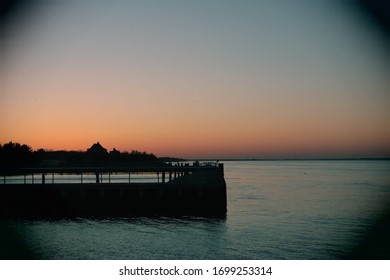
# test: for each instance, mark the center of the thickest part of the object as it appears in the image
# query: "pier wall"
(195, 192)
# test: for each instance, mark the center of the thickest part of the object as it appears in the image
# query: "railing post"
(81, 177)
(43, 178)
(220, 166)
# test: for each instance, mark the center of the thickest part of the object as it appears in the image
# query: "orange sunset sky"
(196, 79)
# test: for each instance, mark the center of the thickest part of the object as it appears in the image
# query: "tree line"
(21, 155)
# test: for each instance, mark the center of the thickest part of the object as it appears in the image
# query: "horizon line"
(273, 159)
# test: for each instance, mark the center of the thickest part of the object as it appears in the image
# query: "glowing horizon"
(196, 80)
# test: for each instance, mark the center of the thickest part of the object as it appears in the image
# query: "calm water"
(276, 210)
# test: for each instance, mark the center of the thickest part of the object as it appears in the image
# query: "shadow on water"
(375, 243)
(13, 243)
(16, 242)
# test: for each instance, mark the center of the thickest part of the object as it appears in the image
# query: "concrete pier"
(177, 190)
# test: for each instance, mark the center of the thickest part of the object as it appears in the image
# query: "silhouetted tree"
(15, 155)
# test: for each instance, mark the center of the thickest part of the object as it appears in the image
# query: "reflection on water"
(276, 210)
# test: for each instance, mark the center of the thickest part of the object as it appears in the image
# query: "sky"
(197, 79)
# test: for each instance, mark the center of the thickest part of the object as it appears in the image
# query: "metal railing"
(101, 175)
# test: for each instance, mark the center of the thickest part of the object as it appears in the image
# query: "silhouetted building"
(97, 152)
(97, 149)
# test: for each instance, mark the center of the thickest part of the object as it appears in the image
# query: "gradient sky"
(226, 79)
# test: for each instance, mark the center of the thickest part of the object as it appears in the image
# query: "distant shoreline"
(285, 159)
